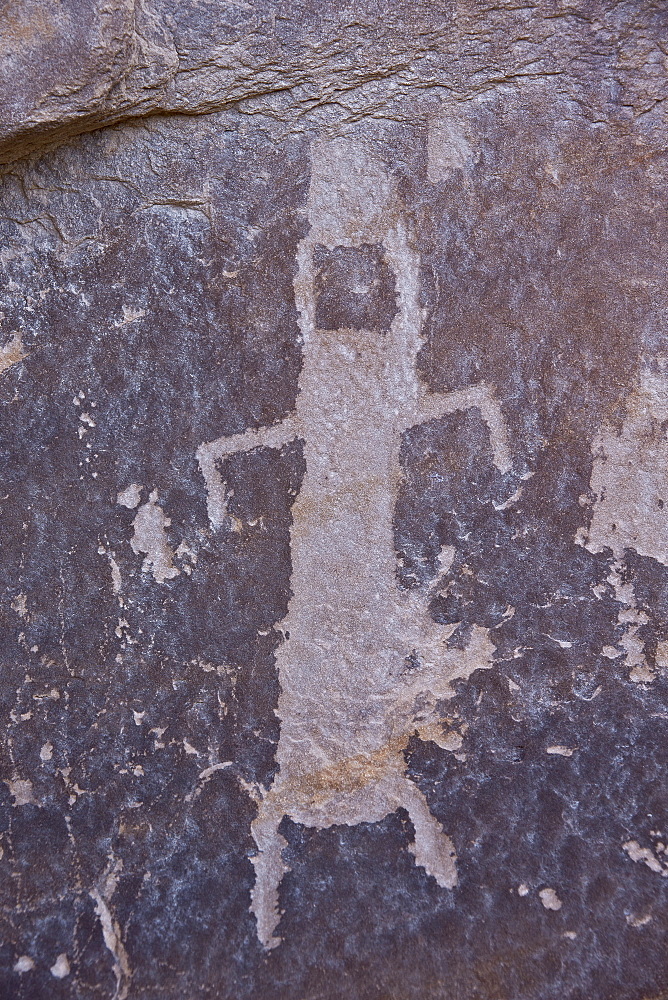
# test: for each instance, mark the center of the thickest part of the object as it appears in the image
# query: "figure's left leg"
(432, 848)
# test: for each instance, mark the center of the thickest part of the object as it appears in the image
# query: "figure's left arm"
(432, 406)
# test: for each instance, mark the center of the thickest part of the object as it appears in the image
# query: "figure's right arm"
(210, 453)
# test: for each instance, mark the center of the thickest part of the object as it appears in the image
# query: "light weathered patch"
(550, 899)
(630, 477)
(116, 578)
(645, 856)
(61, 967)
(130, 497)
(150, 538)
(24, 964)
(20, 605)
(12, 352)
(22, 791)
(111, 931)
(630, 511)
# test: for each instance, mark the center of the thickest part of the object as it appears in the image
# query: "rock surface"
(73, 66)
(334, 501)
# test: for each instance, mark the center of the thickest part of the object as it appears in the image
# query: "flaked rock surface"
(334, 502)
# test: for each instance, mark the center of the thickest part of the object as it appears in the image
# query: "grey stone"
(73, 66)
(333, 575)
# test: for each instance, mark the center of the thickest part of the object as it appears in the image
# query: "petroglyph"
(363, 667)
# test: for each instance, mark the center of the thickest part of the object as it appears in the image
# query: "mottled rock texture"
(333, 500)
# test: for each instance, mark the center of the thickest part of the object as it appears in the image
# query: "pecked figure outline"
(347, 705)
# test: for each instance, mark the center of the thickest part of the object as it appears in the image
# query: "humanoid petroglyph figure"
(363, 666)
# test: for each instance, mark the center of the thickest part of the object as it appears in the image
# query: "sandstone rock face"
(334, 500)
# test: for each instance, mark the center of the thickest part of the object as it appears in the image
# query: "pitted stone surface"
(333, 513)
(354, 289)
